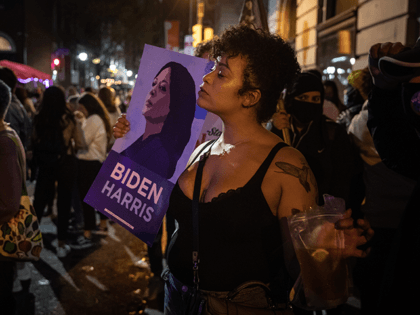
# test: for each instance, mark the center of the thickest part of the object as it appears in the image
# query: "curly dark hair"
(202, 48)
(271, 63)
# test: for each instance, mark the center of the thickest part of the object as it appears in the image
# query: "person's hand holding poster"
(136, 180)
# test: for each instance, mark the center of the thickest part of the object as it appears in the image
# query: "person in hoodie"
(323, 143)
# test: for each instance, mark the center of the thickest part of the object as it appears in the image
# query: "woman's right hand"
(122, 126)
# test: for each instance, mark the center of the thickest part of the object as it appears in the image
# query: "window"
(332, 8)
(286, 23)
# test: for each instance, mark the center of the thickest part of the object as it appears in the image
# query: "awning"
(25, 72)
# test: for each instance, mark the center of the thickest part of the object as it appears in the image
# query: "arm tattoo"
(300, 173)
(311, 174)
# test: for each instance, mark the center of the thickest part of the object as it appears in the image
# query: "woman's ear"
(251, 98)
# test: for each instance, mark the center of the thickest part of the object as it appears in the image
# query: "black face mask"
(304, 112)
(411, 103)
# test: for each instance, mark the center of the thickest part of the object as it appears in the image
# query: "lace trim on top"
(224, 195)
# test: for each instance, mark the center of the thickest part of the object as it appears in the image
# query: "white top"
(361, 136)
(95, 137)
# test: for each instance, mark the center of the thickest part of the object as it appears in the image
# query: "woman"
(169, 112)
(107, 96)
(55, 131)
(10, 193)
(243, 201)
(97, 130)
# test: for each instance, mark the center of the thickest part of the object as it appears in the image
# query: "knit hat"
(362, 81)
(306, 82)
(404, 65)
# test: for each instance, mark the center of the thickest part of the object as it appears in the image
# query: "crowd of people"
(62, 134)
(251, 179)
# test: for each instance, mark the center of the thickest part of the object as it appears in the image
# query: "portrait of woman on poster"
(169, 112)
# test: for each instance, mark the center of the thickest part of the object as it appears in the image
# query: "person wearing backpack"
(56, 137)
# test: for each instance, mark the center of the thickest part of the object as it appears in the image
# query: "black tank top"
(239, 237)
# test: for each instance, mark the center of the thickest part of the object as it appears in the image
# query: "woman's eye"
(154, 83)
(163, 87)
(220, 75)
(317, 99)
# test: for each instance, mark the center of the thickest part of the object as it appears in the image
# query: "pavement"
(98, 280)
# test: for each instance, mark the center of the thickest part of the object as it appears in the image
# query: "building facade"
(26, 33)
(333, 36)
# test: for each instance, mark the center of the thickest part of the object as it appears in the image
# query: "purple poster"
(136, 180)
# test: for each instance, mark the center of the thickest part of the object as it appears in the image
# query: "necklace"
(229, 147)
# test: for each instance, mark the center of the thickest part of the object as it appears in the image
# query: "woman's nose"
(153, 91)
(208, 78)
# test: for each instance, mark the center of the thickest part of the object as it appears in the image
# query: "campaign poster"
(135, 182)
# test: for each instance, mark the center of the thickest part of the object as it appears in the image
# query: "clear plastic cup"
(319, 248)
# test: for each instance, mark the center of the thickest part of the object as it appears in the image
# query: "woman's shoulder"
(289, 157)
(94, 119)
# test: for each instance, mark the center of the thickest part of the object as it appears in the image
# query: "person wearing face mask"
(324, 144)
(169, 112)
(394, 122)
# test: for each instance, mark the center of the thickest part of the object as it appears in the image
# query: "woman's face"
(310, 97)
(219, 91)
(156, 108)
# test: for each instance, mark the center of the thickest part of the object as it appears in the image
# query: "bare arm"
(298, 186)
(299, 193)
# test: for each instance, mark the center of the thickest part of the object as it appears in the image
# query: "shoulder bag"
(21, 238)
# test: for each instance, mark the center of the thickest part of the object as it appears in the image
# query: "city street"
(98, 280)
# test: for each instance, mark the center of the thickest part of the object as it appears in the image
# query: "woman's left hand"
(355, 236)
(122, 126)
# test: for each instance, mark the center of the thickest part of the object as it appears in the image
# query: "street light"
(129, 73)
(83, 56)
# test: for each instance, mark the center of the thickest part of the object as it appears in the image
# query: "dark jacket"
(395, 140)
(330, 155)
(398, 145)
(19, 120)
